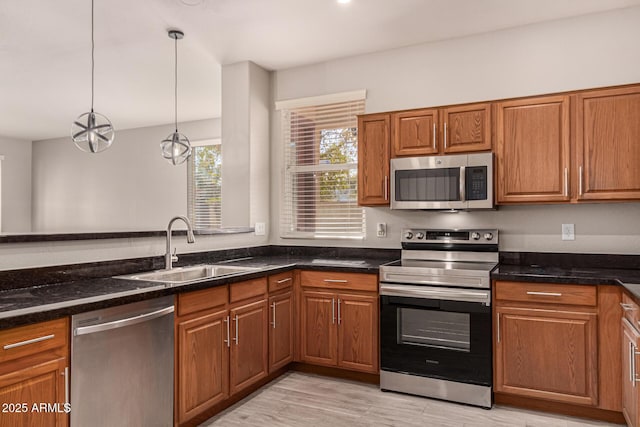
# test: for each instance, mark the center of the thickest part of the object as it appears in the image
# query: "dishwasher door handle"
(121, 323)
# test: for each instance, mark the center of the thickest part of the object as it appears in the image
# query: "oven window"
(437, 329)
(430, 185)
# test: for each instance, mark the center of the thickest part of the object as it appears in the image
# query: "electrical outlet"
(381, 229)
(568, 232)
(260, 229)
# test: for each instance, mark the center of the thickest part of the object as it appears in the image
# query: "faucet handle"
(174, 257)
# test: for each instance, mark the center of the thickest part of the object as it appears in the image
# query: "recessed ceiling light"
(344, 1)
(191, 2)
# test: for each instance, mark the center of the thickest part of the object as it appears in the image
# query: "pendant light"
(92, 132)
(175, 147)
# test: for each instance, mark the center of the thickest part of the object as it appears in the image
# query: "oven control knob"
(488, 236)
(419, 235)
(475, 235)
(408, 235)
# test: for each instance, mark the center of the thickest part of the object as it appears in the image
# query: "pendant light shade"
(176, 147)
(92, 132)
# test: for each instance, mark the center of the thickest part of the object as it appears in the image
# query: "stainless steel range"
(435, 315)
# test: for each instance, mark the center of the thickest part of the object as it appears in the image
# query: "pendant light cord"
(175, 105)
(92, 58)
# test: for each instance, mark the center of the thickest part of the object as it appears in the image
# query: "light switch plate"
(568, 232)
(260, 229)
(381, 229)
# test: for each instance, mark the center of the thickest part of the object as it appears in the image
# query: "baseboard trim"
(232, 400)
(327, 371)
(559, 408)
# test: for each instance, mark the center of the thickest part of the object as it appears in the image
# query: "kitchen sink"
(189, 274)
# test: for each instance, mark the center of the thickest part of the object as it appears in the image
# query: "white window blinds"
(321, 171)
(204, 185)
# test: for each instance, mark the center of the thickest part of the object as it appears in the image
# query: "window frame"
(290, 226)
(191, 183)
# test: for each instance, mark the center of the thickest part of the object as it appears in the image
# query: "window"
(320, 198)
(204, 184)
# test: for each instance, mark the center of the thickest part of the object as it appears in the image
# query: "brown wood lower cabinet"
(548, 354)
(318, 332)
(221, 345)
(249, 345)
(203, 360)
(280, 330)
(339, 328)
(230, 339)
(557, 347)
(630, 387)
(34, 372)
(358, 332)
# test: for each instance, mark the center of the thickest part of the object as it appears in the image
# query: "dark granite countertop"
(586, 269)
(49, 301)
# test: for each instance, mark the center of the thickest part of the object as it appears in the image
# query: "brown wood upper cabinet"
(532, 150)
(463, 128)
(373, 159)
(608, 144)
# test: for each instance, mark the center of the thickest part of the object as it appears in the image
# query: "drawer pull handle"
(27, 342)
(335, 281)
(627, 307)
(546, 294)
(288, 279)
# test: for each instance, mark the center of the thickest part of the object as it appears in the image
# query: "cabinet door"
(249, 346)
(280, 331)
(203, 361)
(466, 128)
(607, 144)
(42, 382)
(532, 150)
(630, 392)
(318, 328)
(415, 133)
(358, 332)
(547, 354)
(373, 159)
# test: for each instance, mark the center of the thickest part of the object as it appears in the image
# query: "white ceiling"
(45, 48)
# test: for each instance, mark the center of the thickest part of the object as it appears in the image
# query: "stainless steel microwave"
(442, 182)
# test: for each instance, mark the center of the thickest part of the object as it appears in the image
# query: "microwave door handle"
(463, 187)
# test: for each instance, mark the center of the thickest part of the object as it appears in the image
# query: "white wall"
(16, 185)
(584, 52)
(127, 187)
(246, 98)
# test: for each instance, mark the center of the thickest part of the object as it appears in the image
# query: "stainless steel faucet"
(168, 257)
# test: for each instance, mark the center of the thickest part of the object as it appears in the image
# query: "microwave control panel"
(476, 182)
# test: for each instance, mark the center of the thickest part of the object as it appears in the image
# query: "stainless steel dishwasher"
(122, 365)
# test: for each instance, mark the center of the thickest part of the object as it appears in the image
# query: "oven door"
(442, 333)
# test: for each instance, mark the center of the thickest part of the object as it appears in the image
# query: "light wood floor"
(298, 399)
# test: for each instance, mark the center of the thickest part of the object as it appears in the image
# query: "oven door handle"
(463, 281)
(425, 292)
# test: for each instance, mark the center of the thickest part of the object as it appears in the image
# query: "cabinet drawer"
(247, 289)
(280, 281)
(546, 293)
(631, 310)
(33, 339)
(191, 302)
(333, 280)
